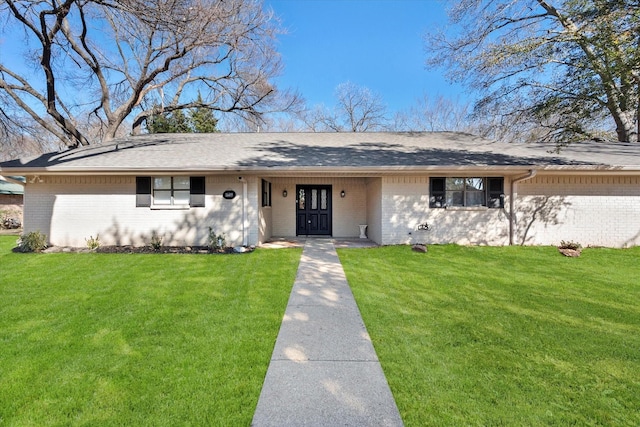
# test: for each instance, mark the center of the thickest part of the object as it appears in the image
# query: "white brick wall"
(597, 210)
(591, 210)
(81, 207)
(405, 205)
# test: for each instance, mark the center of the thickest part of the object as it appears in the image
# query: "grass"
(120, 339)
(504, 336)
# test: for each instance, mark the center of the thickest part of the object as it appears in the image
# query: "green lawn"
(120, 339)
(504, 336)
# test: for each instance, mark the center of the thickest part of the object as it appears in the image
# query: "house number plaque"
(229, 194)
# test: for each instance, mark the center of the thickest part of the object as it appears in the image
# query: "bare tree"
(568, 67)
(315, 119)
(435, 115)
(121, 61)
(357, 109)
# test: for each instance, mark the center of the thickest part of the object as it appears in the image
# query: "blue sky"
(378, 44)
(374, 43)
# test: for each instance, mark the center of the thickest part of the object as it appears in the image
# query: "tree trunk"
(627, 126)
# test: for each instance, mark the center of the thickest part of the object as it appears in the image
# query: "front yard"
(504, 336)
(465, 335)
(115, 339)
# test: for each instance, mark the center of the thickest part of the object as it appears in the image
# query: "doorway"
(313, 210)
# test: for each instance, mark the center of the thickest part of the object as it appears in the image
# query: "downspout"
(512, 216)
(244, 210)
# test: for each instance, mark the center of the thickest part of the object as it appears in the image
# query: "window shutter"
(143, 191)
(266, 193)
(437, 197)
(196, 199)
(495, 192)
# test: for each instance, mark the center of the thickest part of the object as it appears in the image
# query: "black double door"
(313, 210)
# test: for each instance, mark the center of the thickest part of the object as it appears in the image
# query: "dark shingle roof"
(300, 152)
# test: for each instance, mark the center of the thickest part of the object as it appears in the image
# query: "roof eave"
(326, 170)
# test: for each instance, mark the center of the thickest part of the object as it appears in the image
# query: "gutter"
(512, 217)
(12, 180)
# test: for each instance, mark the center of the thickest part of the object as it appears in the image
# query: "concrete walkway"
(324, 370)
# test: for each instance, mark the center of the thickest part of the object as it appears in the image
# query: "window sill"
(466, 208)
(169, 207)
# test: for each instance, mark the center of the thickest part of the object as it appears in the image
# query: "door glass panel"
(323, 199)
(314, 199)
(301, 201)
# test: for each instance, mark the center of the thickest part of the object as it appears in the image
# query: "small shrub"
(93, 243)
(34, 241)
(156, 242)
(570, 245)
(217, 242)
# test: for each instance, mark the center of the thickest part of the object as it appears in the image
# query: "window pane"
(455, 198)
(455, 184)
(181, 197)
(314, 199)
(162, 197)
(475, 198)
(323, 199)
(181, 182)
(301, 200)
(475, 184)
(162, 183)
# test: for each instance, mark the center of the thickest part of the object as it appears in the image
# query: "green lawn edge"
(130, 339)
(504, 335)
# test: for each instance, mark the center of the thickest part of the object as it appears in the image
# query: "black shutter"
(143, 191)
(196, 200)
(437, 197)
(266, 193)
(495, 192)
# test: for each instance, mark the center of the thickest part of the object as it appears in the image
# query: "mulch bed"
(144, 250)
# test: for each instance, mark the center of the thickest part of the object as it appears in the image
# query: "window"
(467, 192)
(266, 193)
(166, 191)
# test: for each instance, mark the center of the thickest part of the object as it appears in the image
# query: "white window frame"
(179, 192)
(466, 188)
(177, 185)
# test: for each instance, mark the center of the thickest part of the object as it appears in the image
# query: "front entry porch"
(318, 207)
